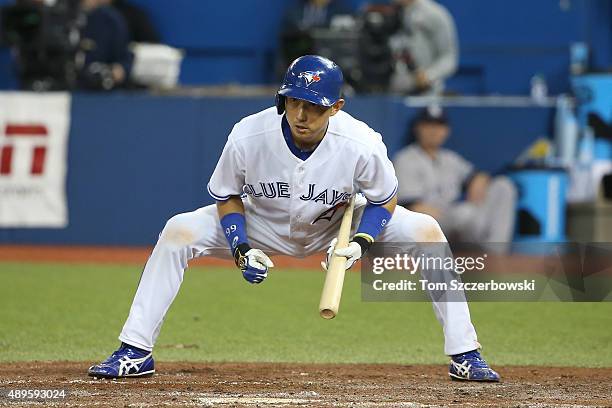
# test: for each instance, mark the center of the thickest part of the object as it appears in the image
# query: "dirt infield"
(311, 385)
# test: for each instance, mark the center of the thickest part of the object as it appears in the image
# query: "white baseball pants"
(198, 233)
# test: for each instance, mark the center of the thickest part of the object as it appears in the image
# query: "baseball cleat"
(471, 366)
(127, 361)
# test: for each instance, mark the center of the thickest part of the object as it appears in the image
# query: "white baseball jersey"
(296, 199)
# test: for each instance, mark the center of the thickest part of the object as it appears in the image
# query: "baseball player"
(469, 205)
(278, 185)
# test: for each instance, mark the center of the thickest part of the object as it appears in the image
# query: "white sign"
(33, 159)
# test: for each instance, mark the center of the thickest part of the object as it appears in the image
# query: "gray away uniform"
(429, 36)
(439, 183)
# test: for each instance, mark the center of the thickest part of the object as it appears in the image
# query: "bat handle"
(334, 279)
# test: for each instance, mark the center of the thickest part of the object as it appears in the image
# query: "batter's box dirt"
(309, 385)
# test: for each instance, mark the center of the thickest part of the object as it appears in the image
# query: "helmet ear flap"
(280, 104)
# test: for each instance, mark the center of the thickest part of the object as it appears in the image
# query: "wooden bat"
(334, 279)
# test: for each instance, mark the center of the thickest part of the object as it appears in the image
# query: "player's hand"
(352, 253)
(253, 263)
(422, 81)
(478, 187)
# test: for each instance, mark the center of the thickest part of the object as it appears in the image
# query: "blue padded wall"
(135, 160)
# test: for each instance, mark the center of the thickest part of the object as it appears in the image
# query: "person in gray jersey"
(425, 48)
(469, 205)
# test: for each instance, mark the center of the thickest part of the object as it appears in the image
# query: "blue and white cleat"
(471, 366)
(127, 361)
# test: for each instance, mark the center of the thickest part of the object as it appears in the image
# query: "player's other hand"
(422, 81)
(477, 188)
(253, 263)
(352, 253)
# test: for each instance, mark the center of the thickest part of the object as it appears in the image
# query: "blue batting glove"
(253, 263)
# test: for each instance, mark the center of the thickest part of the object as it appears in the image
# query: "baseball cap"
(432, 114)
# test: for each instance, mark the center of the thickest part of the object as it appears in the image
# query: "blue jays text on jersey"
(280, 189)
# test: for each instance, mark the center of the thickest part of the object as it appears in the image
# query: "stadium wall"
(135, 160)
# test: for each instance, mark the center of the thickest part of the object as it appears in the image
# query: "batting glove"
(253, 263)
(353, 252)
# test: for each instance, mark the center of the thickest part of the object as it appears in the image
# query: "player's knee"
(503, 187)
(428, 229)
(178, 232)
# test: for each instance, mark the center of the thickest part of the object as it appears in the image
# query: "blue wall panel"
(135, 160)
(8, 78)
(244, 68)
(509, 73)
(600, 35)
(511, 42)
(126, 156)
(205, 24)
(492, 138)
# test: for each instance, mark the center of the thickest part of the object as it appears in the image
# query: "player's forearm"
(373, 221)
(232, 205)
(253, 263)
(233, 223)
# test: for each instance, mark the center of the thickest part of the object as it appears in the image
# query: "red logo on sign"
(13, 131)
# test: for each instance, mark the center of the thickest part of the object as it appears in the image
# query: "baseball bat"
(334, 279)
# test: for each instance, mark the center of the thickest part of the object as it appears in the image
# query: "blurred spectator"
(425, 48)
(300, 20)
(105, 38)
(469, 204)
(139, 24)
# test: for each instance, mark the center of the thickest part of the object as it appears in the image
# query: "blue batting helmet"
(311, 78)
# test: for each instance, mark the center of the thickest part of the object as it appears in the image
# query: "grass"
(75, 312)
